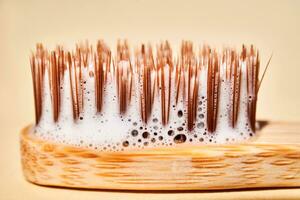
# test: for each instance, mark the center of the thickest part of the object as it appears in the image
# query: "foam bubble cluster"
(112, 130)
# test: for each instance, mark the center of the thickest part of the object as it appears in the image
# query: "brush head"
(90, 98)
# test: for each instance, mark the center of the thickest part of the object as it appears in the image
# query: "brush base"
(210, 167)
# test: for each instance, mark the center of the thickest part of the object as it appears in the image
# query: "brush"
(151, 119)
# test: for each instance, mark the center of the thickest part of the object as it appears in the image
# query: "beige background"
(273, 26)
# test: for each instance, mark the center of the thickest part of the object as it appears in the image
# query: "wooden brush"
(149, 121)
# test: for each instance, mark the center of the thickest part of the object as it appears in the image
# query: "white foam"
(111, 132)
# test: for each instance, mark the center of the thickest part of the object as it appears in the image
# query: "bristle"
(124, 76)
(72, 86)
(235, 78)
(164, 68)
(145, 68)
(252, 85)
(213, 83)
(155, 79)
(102, 59)
(189, 67)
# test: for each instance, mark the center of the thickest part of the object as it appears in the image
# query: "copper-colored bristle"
(190, 67)
(213, 84)
(102, 59)
(252, 84)
(145, 68)
(164, 68)
(154, 78)
(124, 76)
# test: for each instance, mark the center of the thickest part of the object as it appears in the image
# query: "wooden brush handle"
(262, 163)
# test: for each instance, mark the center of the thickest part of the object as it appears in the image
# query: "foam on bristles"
(150, 101)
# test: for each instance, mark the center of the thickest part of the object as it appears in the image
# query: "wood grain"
(272, 160)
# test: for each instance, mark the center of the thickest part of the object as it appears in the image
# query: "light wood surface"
(14, 186)
(285, 135)
(259, 163)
